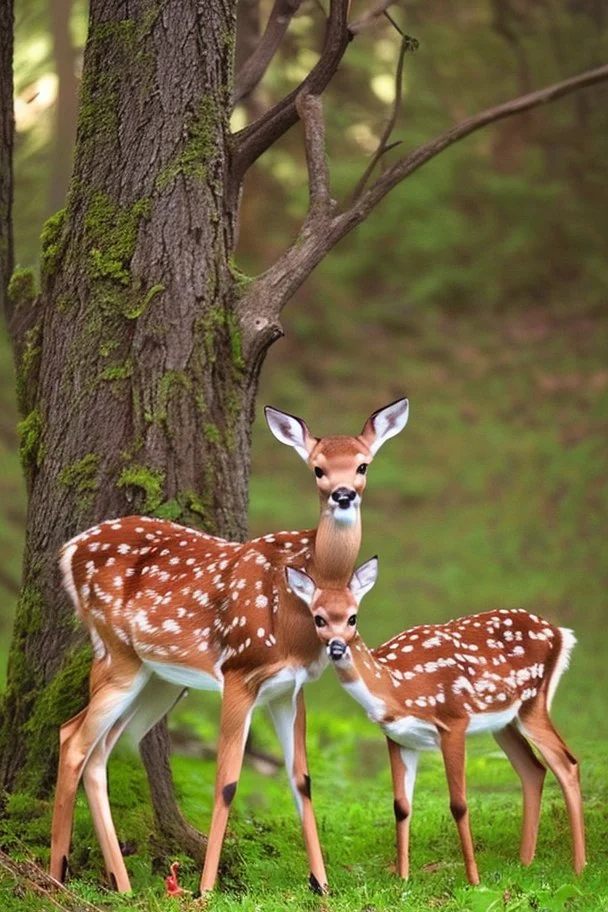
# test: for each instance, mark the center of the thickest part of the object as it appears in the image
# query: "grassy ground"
(264, 863)
(496, 496)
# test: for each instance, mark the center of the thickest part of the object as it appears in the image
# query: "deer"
(169, 608)
(431, 686)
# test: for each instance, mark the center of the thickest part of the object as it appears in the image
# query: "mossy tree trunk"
(133, 387)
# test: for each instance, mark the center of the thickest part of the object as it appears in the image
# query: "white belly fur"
(186, 677)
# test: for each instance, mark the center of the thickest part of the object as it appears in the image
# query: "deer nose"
(343, 497)
(336, 649)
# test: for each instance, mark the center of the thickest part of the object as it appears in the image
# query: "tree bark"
(6, 149)
(133, 387)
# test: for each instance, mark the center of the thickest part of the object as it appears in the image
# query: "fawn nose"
(336, 649)
(343, 497)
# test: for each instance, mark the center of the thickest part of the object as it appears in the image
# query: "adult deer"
(169, 608)
(431, 686)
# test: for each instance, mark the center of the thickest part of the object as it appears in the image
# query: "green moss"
(63, 698)
(52, 241)
(186, 508)
(150, 481)
(212, 433)
(30, 433)
(200, 148)
(83, 478)
(169, 383)
(111, 234)
(135, 311)
(27, 369)
(22, 289)
(118, 371)
(234, 336)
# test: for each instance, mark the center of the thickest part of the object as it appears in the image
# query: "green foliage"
(149, 481)
(30, 432)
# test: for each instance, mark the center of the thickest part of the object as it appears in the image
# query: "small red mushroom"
(173, 887)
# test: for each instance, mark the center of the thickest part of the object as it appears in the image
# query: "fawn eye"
(362, 469)
(352, 621)
(319, 472)
(319, 621)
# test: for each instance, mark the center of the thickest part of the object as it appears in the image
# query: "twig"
(256, 65)
(384, 139)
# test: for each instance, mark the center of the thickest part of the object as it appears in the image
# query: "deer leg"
(453, 750)
(404, 763)
(155, 700)
(537, 726)
(78, 739)
(237, 706)
(289, 719)
(532, 774)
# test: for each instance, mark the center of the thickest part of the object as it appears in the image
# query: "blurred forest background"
(479, 289)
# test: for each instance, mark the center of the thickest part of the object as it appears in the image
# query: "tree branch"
(256, 65)
(262, 306)
(253, 140)
(310, 110)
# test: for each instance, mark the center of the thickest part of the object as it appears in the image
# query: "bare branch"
(253, 140)
(368, 18)
(384, 139)
(256, 65)
(261, 307)
(310, 110)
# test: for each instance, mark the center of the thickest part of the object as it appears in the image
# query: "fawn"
(431, 686)
(169, 608)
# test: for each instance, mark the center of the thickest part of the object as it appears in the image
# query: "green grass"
(264, 863)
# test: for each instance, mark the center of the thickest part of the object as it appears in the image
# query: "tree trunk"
(67, 101)
(134, 391)
(6, 149)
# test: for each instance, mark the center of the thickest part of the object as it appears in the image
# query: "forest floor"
(264, 863)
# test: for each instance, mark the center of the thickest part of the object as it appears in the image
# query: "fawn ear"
(300, 584)
(385, 423)
(291, 431)
(364, 578)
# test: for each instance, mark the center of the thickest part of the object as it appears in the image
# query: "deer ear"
(300, 584)
(364, 578)
(291, 431)
(385, 423)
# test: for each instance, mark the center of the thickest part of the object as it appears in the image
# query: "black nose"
(343, 497)
(337, 649)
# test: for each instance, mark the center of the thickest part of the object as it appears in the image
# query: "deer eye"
(362, 469)
(319, 621)
(352, 621)
(319, 472)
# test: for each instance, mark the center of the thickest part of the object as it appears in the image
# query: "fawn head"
(334, 611)
(340, 463)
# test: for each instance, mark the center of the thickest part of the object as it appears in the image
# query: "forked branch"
(253, 140)
(254, 68)
(310, 110)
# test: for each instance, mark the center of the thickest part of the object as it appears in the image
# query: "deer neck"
(336, 548)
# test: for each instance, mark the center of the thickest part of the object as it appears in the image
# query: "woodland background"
(479, 289)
